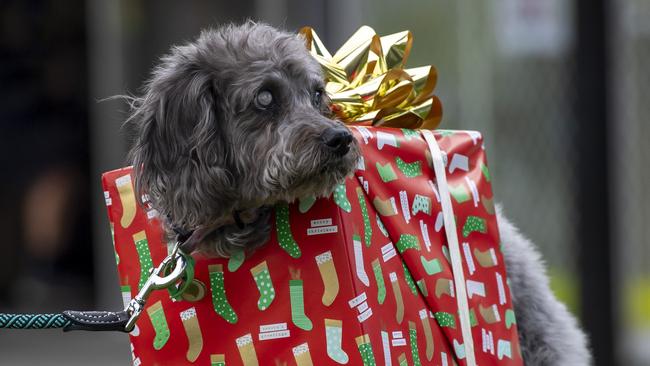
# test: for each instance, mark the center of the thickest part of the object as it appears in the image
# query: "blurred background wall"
(517, 70)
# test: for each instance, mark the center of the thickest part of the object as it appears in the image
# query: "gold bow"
(368, 84)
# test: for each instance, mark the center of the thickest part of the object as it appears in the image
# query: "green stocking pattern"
(159, 322)
(367, 228)
(236, 260)
(264, 284)
(459, 193)
(431, 267)
(144, 255)
(445, 319)
(413, 338)
(472, 318)
(305, 203)
(402, 360)
(510, 318)
(410, 134)
(298, 316)
(410, 170)
(283, 229)
(381, 285)
(474, 223)
(423, 287)
(386, 172)
(365, 350)
(407, 241)
(219, 299)
(409, 280)
(341, 198)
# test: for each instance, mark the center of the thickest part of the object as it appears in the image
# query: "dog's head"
(235, 120)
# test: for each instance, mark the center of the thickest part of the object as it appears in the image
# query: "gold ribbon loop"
(368, 84)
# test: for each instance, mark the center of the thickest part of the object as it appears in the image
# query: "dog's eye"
(317, 97)
(264, 98)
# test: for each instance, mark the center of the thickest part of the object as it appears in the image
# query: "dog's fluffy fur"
(206, 148)
(548, 333)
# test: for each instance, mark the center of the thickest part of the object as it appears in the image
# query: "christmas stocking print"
(159, 322)
(358, 260)
(264, 284)
(367, 228)
(334, 337)
(302, 355)
(402, 360)
(385, 344)
(247, 350)
(236, 260)
(428, 336)
(409, 280)
(341, 198)
(283, 229)
(127, 198)
(460, 193)
(365, 350)
(474, 224)
(413, 338)
(421, 204)
(431, 267)
(510, 318)
(487, 258)
(407, 241)
(386, 172)
(445, 319)
(399, 300)
(144, 255)
(488, 204)
(305, 203)
(219, 299)
(444, 286)
(489, 313)
(386, 207)
(193, 333)
(328, 274)
(410, 170)
(381, 285)
(218, 360)
(296, 293)
(410, 134)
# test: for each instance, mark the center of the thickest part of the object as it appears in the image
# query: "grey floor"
(53, 347)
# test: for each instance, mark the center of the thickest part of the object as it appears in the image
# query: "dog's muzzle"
(337, 140)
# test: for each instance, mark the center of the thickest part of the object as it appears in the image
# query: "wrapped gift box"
(360, 278)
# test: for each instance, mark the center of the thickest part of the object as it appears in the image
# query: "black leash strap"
(96, 320)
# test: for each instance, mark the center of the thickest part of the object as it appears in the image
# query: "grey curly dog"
(238, 120)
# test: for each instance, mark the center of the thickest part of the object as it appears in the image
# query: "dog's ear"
(176, 128)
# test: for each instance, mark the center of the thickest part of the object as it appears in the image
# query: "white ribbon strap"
(454, 248)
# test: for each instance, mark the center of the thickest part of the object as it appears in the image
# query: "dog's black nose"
(337, 139)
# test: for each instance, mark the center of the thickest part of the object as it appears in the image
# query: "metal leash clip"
(160, 278)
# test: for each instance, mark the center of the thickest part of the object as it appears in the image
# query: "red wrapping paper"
(360, 278)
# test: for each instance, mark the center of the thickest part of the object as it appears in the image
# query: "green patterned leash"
(33, 321)
(174, 273)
